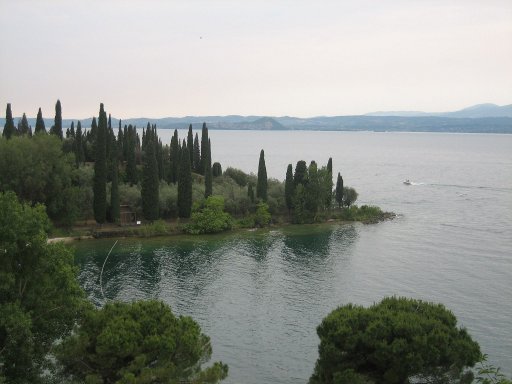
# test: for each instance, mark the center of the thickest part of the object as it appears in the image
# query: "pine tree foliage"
(100, 169)
(261, 186)
(40, 127)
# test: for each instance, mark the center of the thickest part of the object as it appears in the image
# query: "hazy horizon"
(285, 58)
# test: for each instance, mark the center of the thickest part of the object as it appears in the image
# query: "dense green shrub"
(209, 217)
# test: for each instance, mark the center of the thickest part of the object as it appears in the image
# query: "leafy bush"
(262, 216)
(210, 217)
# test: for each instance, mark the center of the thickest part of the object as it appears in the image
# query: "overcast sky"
(299, 58)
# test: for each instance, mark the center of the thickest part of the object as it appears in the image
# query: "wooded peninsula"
(106, 182)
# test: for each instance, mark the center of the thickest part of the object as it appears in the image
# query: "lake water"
(260, 295)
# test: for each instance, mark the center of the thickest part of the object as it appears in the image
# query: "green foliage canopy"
(210, 218)
(139, 342)
(391, 342)
(40, 298)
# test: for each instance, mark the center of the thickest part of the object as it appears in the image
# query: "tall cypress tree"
(57, 127)
(131, 167)
(185, 185)
(175, 157)
(115, 208)
(208, 175)
(150, 181)
(289, 188)
(190, 144)
(204, 148)
(120, 143)
(9, 129)
(329, 165)
(301, 173)
(261, 186)
(23, 128)
(100, 169)
(40, 127)
(78, 144)
(196, 158)
(339, 191)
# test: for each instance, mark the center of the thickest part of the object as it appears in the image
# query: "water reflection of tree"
(315, 248)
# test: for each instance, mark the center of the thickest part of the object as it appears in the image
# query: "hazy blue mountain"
(482, 118)
(475, 111)
(483, 110)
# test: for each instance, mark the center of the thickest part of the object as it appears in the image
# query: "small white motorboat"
(407, 182)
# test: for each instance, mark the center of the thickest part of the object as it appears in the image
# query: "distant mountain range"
(475, 111)
(481, 118)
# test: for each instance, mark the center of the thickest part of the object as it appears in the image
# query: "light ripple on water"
(260, 296)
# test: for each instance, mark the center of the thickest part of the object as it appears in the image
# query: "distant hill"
(475, 111)
(482, 118)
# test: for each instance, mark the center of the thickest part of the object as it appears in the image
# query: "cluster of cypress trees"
(24, 128)
(146, 162)
(308, 191)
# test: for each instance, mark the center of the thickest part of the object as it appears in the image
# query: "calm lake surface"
(260, 295)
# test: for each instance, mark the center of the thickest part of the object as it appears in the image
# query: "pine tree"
(190, 144)
(289, 188)
(100, 169)
(261, 186)
(339, 191)
(150, 182)
(185, 185)
(9, 129)
(57, 127)
(204, 149)
(196, 157)
(40, 127)
(115, 208)
(208, 174)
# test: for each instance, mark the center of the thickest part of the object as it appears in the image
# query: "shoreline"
(113, 231)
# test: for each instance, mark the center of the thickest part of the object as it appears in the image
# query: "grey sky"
(300, 58)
